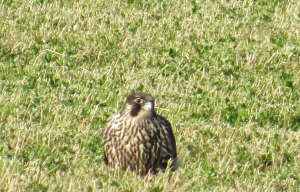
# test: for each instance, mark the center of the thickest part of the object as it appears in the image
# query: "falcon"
(138, 139)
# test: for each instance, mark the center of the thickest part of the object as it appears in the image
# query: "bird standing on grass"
(138, 139)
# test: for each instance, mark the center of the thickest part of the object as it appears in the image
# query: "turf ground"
(225, 73)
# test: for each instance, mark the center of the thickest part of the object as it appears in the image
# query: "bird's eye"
(139, 100)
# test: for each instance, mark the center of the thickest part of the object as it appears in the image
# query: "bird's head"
(140, 105)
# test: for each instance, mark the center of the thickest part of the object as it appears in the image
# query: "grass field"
(225, 73)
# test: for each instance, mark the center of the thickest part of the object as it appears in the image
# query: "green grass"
(226, 74)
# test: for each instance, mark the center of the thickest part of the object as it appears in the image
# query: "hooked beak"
(148, 106)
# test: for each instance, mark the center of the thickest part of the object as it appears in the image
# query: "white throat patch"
(145, 112)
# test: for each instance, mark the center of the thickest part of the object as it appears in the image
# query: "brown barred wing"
(167, 144)
(110, 140)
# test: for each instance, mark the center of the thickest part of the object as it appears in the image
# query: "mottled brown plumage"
(138, 138)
